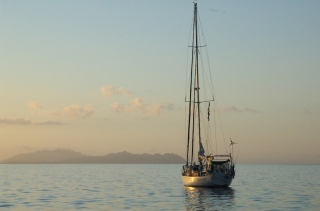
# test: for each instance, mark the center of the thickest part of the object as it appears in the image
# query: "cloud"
(35, 105)
(155, 109)
(23, 121)
(78, 112)
(53, 113)
(235, 109)
(250, 110)
(15, 121)
(121, 109)
(109, 91)
(74, 111)
(230, 109)
(48, 123)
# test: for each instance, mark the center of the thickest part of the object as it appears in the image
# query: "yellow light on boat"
(191, 188)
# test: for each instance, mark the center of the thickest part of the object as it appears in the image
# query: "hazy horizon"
(101, 77)
(253, 163)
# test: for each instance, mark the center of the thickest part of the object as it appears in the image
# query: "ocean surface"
(155, 187)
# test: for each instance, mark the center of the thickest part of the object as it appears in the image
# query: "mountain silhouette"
(65, 156)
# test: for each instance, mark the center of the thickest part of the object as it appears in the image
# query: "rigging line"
(209, 70)
(195, 69)
(185, 128)
(194, 103)
(185, 105)
(206, 126)
(209, 137)
(235, 162)
(201, 101)
(215, 127)
(192, 134)
(204, 75)
(224, 140)
(213, 93)
(186, 82)
(204, 79)
(187, 64)
(207, 54)
(210, 86)
(189, 116)
(209, 131)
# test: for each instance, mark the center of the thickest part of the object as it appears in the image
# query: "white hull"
(212, 180)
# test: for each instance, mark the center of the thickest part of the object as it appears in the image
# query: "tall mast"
(197, 74)
(190, 105)
(194, 87)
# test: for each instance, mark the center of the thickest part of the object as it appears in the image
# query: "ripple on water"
(155, 187)
(6, 205)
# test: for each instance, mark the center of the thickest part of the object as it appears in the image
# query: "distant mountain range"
(64, 156)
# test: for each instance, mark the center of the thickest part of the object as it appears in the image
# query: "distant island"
(64, 156)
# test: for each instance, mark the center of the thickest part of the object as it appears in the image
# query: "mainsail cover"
(201, 150)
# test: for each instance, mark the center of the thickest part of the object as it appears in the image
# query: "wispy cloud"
(34, 105)
(74, 111)
(79, 112)
(136, 104)
(24, 121)
(47, 123)
(55, 113)
(230, 109)
(109, 91)
(154, 109)
(250, 110)
(235, 109)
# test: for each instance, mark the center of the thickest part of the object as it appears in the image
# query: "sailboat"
(206, 170)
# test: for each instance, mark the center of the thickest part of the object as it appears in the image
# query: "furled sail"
(201, 150)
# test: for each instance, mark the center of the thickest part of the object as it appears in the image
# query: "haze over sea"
(101, 77)
(155, 187)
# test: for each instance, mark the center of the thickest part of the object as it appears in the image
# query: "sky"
(101, 77)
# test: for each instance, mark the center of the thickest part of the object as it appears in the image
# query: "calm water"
(155, 187)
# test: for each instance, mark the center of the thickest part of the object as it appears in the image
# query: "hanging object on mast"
(209, 112)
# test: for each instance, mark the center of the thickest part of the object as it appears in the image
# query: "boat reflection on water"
(200, 198)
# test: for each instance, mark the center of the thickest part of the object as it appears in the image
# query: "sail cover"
(201, 150)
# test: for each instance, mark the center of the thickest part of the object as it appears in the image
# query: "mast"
(189, 118)
(194, 88)
(197, 74)
(194, 50)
